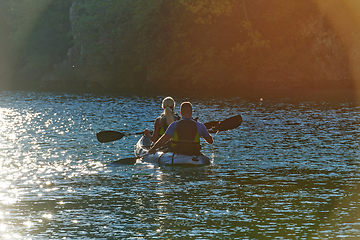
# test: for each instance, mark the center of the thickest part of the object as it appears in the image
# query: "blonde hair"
(168, 104)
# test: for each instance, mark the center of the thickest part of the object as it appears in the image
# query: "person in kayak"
(164, 120)
(184, 134)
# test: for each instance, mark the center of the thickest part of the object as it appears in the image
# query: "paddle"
(213, 126)
(110, 136)
(225, 125)
(132, 160)
(124, 161)
(210, 125)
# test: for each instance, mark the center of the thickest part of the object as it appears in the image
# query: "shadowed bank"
(200, 47)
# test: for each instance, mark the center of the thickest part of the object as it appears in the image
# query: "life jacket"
(164, 126)
(186, 139)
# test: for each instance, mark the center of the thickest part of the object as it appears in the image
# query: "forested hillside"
(203, 46)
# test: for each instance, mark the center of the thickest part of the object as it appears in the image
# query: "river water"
(290, 171)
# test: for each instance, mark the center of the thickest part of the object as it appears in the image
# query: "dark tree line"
(218, 46)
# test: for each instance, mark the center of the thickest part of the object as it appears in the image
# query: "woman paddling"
(164, 120)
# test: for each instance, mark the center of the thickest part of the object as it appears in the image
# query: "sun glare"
(344, 16)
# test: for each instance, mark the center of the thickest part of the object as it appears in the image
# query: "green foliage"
(39, 34)
(217, 44)
(122, 37)
(204, 45)
(178, 43)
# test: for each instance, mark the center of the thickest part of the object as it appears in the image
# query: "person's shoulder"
(173, 124)
(171, 129)
(201, 125)
(158, 120)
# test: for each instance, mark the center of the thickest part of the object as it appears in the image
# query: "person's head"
(168, 102)
(186, 109)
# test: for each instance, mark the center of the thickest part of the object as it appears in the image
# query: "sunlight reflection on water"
(289, 171)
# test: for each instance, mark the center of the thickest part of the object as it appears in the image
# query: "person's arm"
(209, 139)
(154, 137)
(161, 142)
(205, 133)
(164, 138)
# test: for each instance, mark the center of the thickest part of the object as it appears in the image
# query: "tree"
(40, 35)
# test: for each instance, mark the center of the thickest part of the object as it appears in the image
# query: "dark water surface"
(290, 171)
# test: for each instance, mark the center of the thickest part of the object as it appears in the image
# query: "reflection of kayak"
(167, 158)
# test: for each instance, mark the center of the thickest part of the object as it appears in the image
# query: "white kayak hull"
(167, 158)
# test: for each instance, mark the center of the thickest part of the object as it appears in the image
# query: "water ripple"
(290, 171)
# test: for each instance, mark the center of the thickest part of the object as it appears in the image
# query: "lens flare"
(345, 19)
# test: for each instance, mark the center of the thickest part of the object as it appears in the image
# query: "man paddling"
(184, 134)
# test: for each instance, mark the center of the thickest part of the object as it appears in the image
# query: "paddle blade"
(230, 123)
(108, 136)
(210, 125)
(125, 161)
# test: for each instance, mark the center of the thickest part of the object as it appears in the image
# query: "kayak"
(164, 157)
